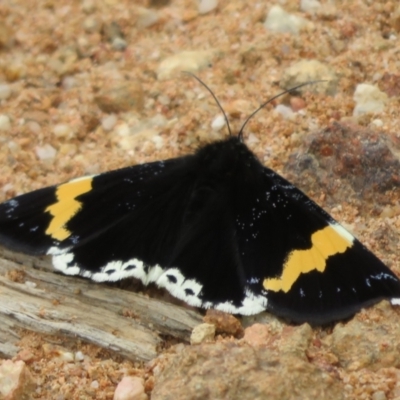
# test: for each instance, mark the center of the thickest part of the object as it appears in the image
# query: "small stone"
(218, 123)
(278, 20)
(379, 395)
(146, 17)
(224, 322)
(297, 103)
(205, 6)
(285, 111)
(46, 152)
(121, 96)
(310, 6)
(5, 91)
(190, 61)
(62, 131)
(369, 99)
(307, 71)
(119, 44)
(94, 384)
(202, 333)
(88, 6)
(109, 122)
(16, 382)
(130, 388)
(257, 335)
(91, 25)
(5, 124)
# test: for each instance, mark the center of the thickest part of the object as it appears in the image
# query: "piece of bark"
(50, 303)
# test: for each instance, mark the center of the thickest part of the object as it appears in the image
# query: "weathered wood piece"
(56, 304)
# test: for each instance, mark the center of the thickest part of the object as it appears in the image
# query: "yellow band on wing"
(66, 206)
(326, 242)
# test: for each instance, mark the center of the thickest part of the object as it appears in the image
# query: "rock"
(16, 382)
(5, 91)
(278, 20)
(130, 388)
(224, 323)
(347, 161)
(258, 335)
(119, 44)
(120, 96)
(218, 122)
(45, 152)
(146, 17)
(310, 6)
(307, 71)
(64, 131)
(285, 111)
(108, 122)
(202, 333)
(190, 61)
(5, 123)
(206, 6)
(369, 99)
(228, 370)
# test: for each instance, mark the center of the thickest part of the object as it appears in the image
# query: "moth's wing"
(205, 268)
(59, 219)
(307, 265)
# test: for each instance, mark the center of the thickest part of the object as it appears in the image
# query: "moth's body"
(215, 228)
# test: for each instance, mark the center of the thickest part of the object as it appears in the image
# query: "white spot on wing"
(395, 302)
(343, 232)
(172, 279)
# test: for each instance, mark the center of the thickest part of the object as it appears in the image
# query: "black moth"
(216, 228)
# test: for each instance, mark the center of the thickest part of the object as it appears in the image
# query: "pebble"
(205, 6)
(5, 91)
(119, 44)
(379, 395)
(16, 382)
(190, 61)
(5, 123)
(257, 335)
(218, 123)
(62, 131)
(46, 152)
(285, 111)
(130, 388)
(307, 71)
(91, 25)
(278, 20)
(79, 356)
(146, 17)
(310, 6)
(369, 99)
(202, 333)
(108, 122)
(94, 384)
(121, 96)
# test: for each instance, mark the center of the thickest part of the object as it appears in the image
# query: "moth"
(216, 228)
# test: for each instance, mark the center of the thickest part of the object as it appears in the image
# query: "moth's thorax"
(225, 158)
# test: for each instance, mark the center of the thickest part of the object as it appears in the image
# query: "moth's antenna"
(215, 98)
(240, 134)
